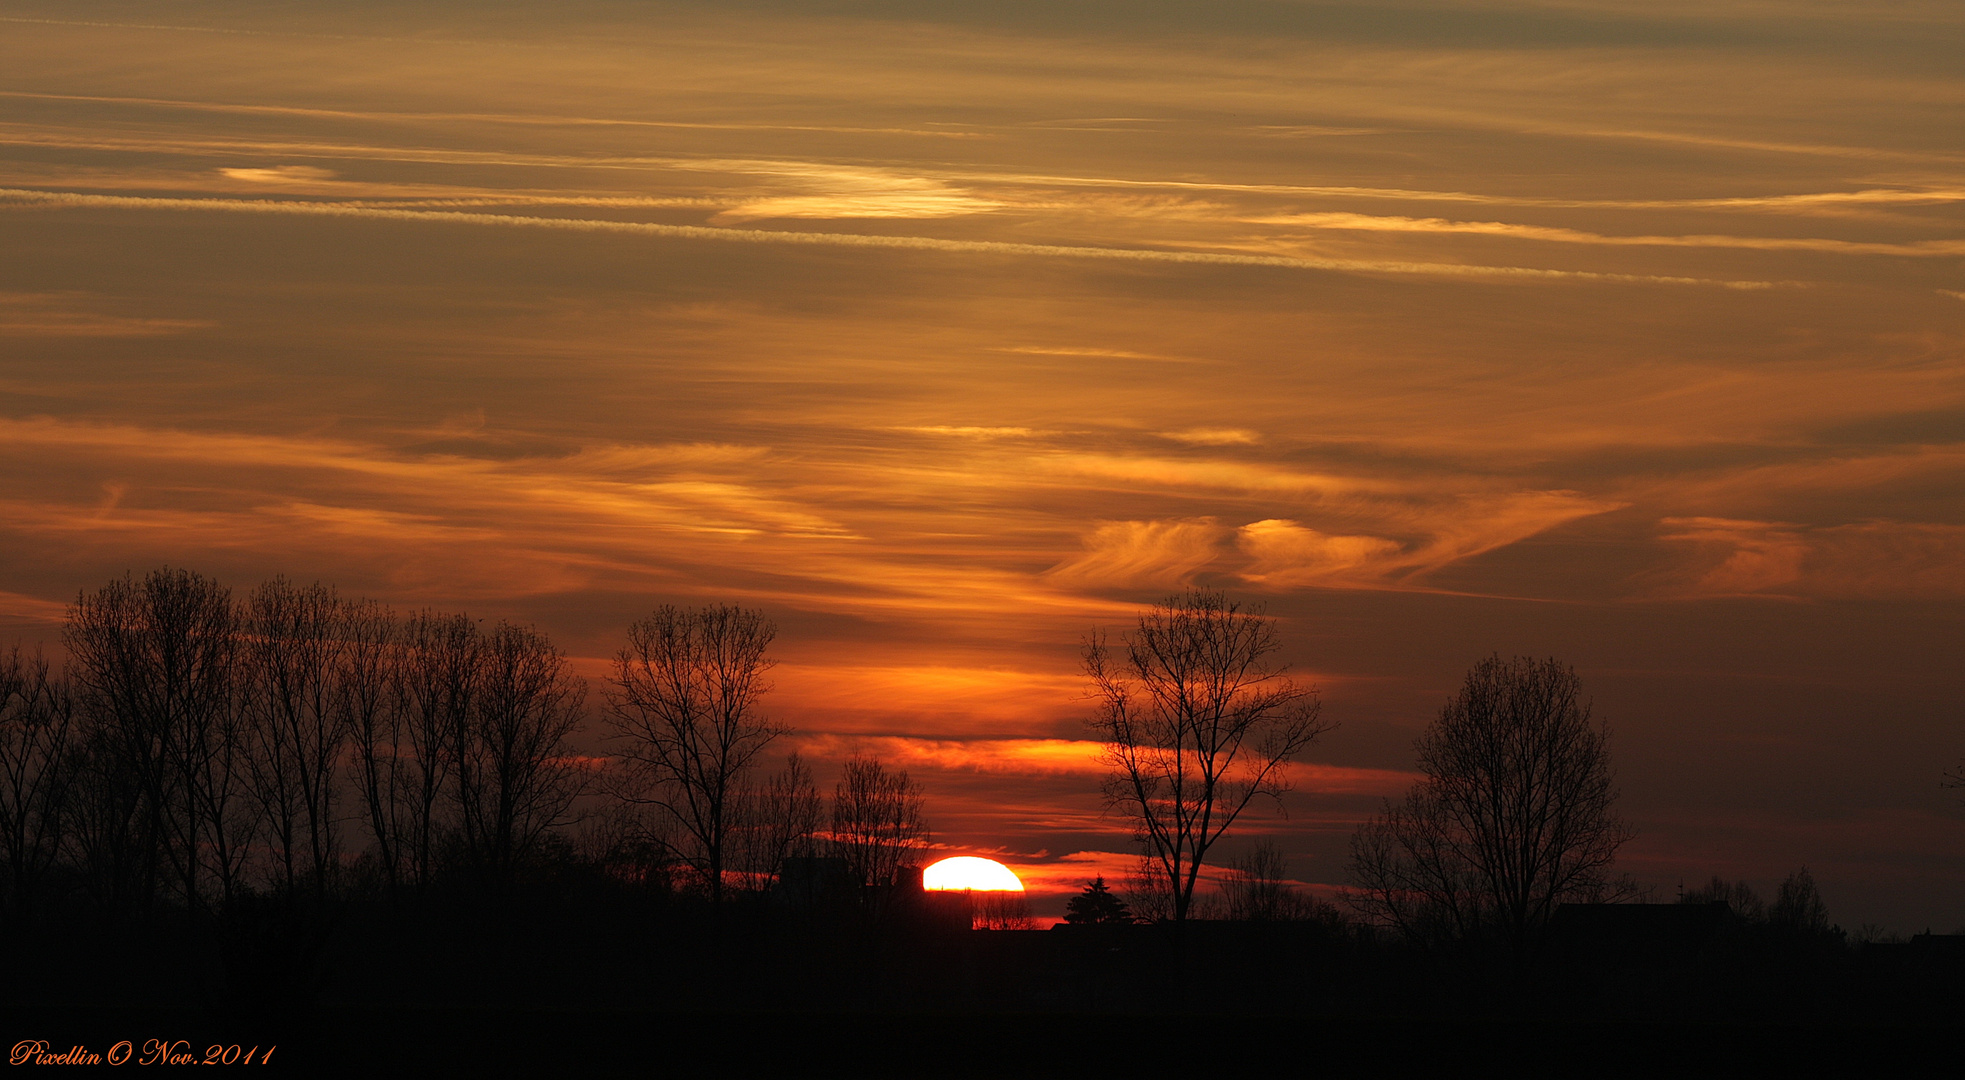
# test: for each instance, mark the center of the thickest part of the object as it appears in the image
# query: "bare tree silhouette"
(116, 841)
(460, 740)
(1000, 909)
(370, 708)
(877, 825)
(1198, 721)
(781, 821)
(37, 769)
(297, 651)
(1514, 816)
(1257, 888)
(683, 706)
(515, 776)
(1798, 906)
(1738, 896)
(434, 679)
(157, 664)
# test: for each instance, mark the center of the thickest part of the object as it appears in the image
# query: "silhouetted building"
(1950, 946)
(815, 883)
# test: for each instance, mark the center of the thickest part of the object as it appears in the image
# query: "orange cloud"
(1283, 553)
(1757, 556)
(1394, 223)
(1215, 436)
(1229, 253)
(1142, 554)
(1067, 757)
(32, 609)
(1870, 560)
(1011, 757)
(65, 315)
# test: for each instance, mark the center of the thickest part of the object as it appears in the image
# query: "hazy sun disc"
(969, 872)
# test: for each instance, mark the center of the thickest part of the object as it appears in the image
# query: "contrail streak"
(762, 236)
(1803, 202)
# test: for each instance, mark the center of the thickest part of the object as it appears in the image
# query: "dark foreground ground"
(512, 989)
(350, 1041)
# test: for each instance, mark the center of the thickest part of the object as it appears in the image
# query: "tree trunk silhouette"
(781, 821)
(683, 706)
(1197, 723)
(157, 664)
(37, 771)
(434, 687)
(1514, 817)
(515, 774)
(877, 827)
(299, 652)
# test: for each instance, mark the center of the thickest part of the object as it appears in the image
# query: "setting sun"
(969, 872)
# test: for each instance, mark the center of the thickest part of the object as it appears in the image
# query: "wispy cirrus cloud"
(1142, 554)
(528, 119)
(1391, 223)
(1213, 436)
(1277, 554)
(836, 191)
(1870, 559)
(78, 315)
(1093, 352)
(279, 174)
(855, 240)
(971, 431)
(1284, 553)
(349, 490)
(1069, 757)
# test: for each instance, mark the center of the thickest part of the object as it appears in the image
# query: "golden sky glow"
(1628, 333)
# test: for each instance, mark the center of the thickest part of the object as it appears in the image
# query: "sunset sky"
(944, 332)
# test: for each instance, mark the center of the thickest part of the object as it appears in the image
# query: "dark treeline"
(290, 805)
(200, 751)
(249, 801)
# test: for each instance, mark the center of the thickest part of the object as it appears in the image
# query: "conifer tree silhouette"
(1097, 905)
